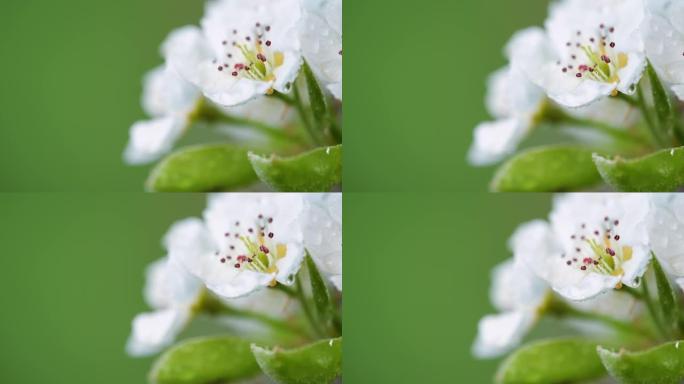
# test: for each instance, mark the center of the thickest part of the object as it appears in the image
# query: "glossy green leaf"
(660, 171)
(317, 363)
(314, 171)
(319, 291)
(663, 364)
(562, 360)
(204, 168)
(547, 169)
(206, 360)
(662, 104)
(667, 297)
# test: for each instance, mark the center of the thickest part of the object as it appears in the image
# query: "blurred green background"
(72, 275)
(416, 278)
(71, 88)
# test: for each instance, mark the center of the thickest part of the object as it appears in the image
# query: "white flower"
(594, 243)
(666, 231)
(168, 100)
(323, 233)
(588, 50)
(244, 49)
(247, 241)
(321, 36)
(519, 295)
(663, 32)
(171, 292)
(513, 101)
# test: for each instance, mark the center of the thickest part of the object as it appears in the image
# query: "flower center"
(598, 249)
(252, 247)
(249, 54)
(594, 56)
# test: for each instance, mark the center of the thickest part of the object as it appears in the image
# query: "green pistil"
(261, 261)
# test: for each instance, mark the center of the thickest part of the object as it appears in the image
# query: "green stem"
(308, 125)
(306, 308)
(628, 99)
(284, 98)
(650, 305)
(632, 292)
(648, 118)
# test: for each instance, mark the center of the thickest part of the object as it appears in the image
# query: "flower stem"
(304, 117)
(307, 309)
(650, 305)
(607, 129)
(648, 118)
(284, 98)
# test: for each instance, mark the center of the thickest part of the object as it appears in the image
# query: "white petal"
(336, 90)
(289, 265)
(664, 39)
(515, 286)
(666, 236)
(631, 74)
(636, 266)
(495, 140)
(511, 94)
(151, 139)
(287, 72)
(323, 231)
(679, 91)
(498, 334)
(272, 302)
(165, 93)
(321, 37)
(169, 285)
(337, 281)
(154, 331)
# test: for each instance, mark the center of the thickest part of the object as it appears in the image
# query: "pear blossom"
(519, 295)
(588, 50)
(663, 33)
(168, 100)
(247, 241)
(666, 231)
(323, 233)
(172, 293)
(593, 243)
(321, 37)
(242, 50)
(514, 102)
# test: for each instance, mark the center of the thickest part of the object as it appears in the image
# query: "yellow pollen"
(281, 250)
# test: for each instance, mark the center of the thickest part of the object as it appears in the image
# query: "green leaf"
(316, 99)
(547, 169)
(662, 103)
(317, 363)
(660, 171)
(206, 360)
(315, 171)
(319, 291)
(562, 360)
(204, 168)
(667, 297)
(659, 365)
